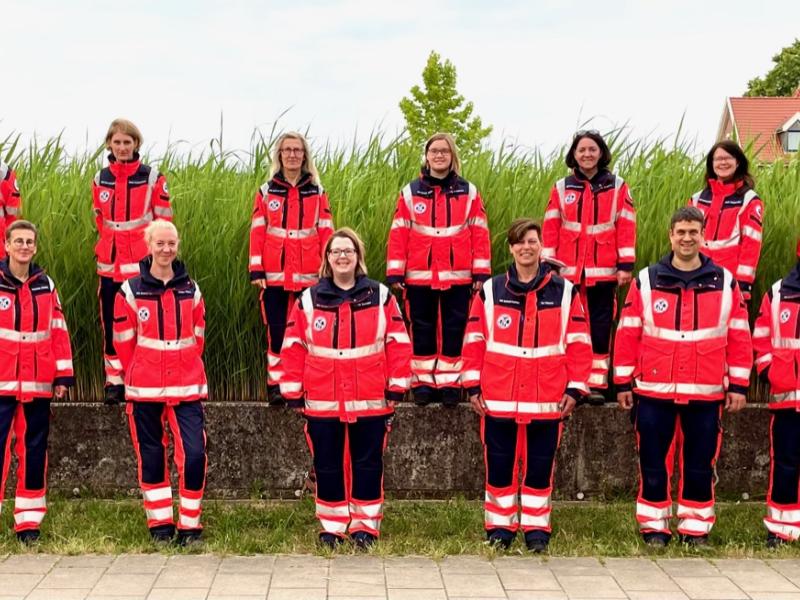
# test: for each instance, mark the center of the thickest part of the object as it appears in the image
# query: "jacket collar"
(432, 181)
(668, 272)
(34, 270)
(791, 283)
(331, 295)
(124, 169)
(280, 179)
(718, 188)
(598, 178)
(180, 275)
(542, 278)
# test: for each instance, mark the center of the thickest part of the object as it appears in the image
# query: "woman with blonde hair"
(290, 225)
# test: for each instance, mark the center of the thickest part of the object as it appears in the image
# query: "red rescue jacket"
(734, 217)
(159, 334)
(683, 335)
(10, 202)
(776, 340)
(289, 229)
(127, 196)
(590, 227)
(526, 345)
(439, 235)
(345, 351)
(35, 352)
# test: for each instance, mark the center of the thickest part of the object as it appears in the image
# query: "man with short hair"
(683, 350)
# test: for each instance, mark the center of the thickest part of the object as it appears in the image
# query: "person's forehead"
(294, 143)
(342, 242)
(22, 233)
(687, 225)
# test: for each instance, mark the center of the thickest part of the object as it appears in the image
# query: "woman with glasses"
(590, 229)
(290, 225)
(127, 196)
(733, 211)
(346, 360)
(439, 254)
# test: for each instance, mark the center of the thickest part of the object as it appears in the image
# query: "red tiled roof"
(759, 118)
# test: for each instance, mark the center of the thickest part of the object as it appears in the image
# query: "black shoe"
(451, 396)
(597, 397)
(114, 394)
(162, 534)
(274, 397)
(28, 536)
(424, 395)
(364, 540)
(500, 538)
(330, 540)
(773, 541)
(537, 541)
(695, 541)
(189, 537)
(656, 539)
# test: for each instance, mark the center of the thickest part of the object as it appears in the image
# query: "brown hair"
(455, 161)
(126, 127)
(605, 152)
(687, 213)
(24, 225)
(520, 227)
(348, 234)
(742, 172)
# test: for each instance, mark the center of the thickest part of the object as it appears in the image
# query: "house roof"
(760, 118)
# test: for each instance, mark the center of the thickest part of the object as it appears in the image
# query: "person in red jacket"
(776, 340)
(590, 228)
(10, 201)
(290, 225)
(159, 334)
(127, 196)
(683, 350)
(439, 253)
(527, 358)
(734, 214)
(36, 365)
(346, 358)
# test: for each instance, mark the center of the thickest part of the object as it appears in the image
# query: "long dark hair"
(605, 153)
(742, 172)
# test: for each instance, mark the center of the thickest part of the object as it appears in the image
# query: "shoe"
(500, 538)
(773, 541)
(451, 396)
(113, 395)
(424, 395)
(162, 534)
(189, 537)
(537, 541)
(330, 540)
(274, 397)
(656, 539)
(597, 397)
(364, 540)
(695, 541)
(28, 536)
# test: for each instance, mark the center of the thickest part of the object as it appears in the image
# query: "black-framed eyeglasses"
(337, 252)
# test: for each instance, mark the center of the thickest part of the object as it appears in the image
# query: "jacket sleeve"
(398, 351)
(397, 252)
(9, 194)
(626, 231)
(751, 225)
(162, 209)
(579, 349)
(474, 348)
(551, 226)
(628, 339)
(481, 243)
(125, 325)
(62, 349)
(258, 232)
(199, 319)
(762, 336)
(739, 350)
(293, 357)
(325, 224)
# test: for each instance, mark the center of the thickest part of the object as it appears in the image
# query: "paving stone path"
(209, 577)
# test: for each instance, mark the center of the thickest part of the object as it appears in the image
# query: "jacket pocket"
(567, 246)
(497, 377)
(9, 357)
(656, 361)
(311, 254)
(606, 248)
(419, 251)
(711, 361)
(272, 256)
(782, 375)
(371, 377)
(318, 378)
(552, 378)
(45, 365)
(461, 251)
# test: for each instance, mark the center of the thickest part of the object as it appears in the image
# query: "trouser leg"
(540, 446)
(501, 440)
(454, 312)
(783, 496)
(601, 300)
(8, 408)
(146, 421)
(655, 437)
(31, 430)
(327, 440)
(276, 303)
(367, 439)
(187, 423)
(107, 293)
(422, 311)
(701, 436)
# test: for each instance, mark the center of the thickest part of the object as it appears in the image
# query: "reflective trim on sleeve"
(124, 336)
(258, 222)
(751, 232)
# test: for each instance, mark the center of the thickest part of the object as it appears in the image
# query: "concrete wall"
(433, 452)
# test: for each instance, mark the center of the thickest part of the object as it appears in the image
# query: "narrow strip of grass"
(426, 528)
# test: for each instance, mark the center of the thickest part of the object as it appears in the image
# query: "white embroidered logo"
(5, 303)
(504, 321)
(570, 198)
(274, 205)
(785, 315)
(105, 195)
(420, 207)
(660, 306)
(320, 323)
(144, 314)
(166, 191)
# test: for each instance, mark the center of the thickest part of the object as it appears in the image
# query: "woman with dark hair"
(590, 229)
(733, 211)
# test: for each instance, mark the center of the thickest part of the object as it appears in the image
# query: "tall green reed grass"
(212, 193)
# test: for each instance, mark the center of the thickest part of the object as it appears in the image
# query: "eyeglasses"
(19, 243)
(298, 151)
(583, 132)
(337, 252)
(437, 152)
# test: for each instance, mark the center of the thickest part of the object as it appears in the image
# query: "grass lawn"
(410, 527)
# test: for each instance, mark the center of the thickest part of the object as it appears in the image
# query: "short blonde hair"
(308, 165)
(455, 163)
(348, 234)
(159, 225)
(126, 127)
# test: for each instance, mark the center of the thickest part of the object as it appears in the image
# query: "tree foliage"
(783, 79)
(438, 106)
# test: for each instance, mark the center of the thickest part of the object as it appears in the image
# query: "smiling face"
(163, 247)
(439, 157)
(587, 155)
(343, 258)
(724, 165)
(122, 146)
(526, 252)
(21, 247)
(686, 238)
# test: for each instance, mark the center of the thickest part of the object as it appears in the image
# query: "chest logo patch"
(5, 303)
(320, 323)
(660, 306)
(420, 207)
(785, 315)
(144, 314)
(166, 191)
(105, 195)
(274, 205)
(504, 321)
(570, 198)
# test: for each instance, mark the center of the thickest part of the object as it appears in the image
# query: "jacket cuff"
(623, 387)
(574, 393)
(390, 279)
(473, 390)
(257, 275)
(299, 403)
(737, 389)
(393, 396)
(68, 381)
(480, 277)
(625, 266)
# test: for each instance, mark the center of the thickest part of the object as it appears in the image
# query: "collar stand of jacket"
(719, 188)
(791, 283)
(542, 277)
(598, 178)
(34, 270)
(329, 294)
(432, 181)
(280, 179)
(127, 167)
(180, 275)
(668, 275)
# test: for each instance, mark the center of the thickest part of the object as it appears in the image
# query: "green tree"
(438, 106)
(783, 79)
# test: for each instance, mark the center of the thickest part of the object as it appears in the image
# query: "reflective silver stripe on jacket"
(165, 345)
(13, 335)
(428, 230)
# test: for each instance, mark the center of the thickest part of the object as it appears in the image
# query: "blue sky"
(534, 70)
